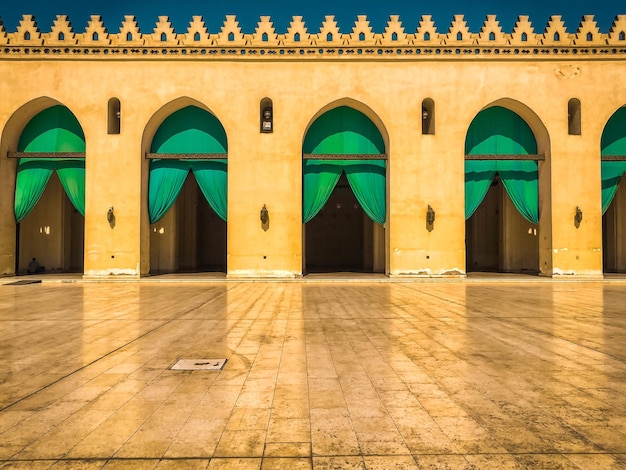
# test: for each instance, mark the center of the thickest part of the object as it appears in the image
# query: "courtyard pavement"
(324, 375)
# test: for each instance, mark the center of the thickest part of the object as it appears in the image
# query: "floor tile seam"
(618, 360)
(436, 381)
(308, 376)
(509, 320)
(56, 427)
(268, 326)
(311, 456)
(109, 353)
(182, 426)
(113, 411)
(350, 414)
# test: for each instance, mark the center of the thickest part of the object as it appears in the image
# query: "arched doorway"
(344, 193)
(187, 193)
(613, 152)
(50, 192)
(501, 194)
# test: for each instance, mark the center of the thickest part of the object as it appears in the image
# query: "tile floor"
(337, 375)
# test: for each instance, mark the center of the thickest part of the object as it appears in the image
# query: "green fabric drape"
(30, 183)
(33, 175)
(478, 177)
(72, 176)
(188, 130)
(367, 179)
(54, 129)
(613, 142)
(520, 179)
(499, 131)
(320, 178)
(168, 176)
(166, 180)
(212, 177)
(612, 172)
(343, 130)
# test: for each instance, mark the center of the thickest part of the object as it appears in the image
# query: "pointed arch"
(613, 144)
(193, 131)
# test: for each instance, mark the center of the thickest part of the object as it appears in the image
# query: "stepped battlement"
(329, 41)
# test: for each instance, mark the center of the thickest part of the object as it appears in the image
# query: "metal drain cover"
(199, 364)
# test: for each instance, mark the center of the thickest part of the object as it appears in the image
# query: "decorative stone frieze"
(617, 33)
(197, 34)
(394, 32)
(297, 34)
(329, 34)
(163, 34)
(459, 33)
(491, 33)
(95, 34)
(27, 33)
(231, 34)
(61, 33)
(426, 32)
(588, 32)
(129, 35)
(3, 35)
(329, 43)
(265, 35)
(555, 33)
(523, 33)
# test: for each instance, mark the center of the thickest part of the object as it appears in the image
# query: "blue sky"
(281, 11)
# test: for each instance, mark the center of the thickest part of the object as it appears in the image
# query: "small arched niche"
(114, 116)
(573, 117)
(266, 116)
(428, 117)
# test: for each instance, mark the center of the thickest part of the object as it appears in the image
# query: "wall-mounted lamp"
(425, 113)
(267, 121)
(111, 217)
(265, 216)
(578, 217)
(430, 215)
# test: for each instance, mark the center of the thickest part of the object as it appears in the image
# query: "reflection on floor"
(326, 375)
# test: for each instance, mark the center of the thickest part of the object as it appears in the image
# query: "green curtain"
(188, 130)
(343, 130)
(367, 179)
(320, 178)
(54, 129)
(212, 177)
(612, 172)
(520, 179)
(499, 131)
(166, 180)
(32, 178)
(168, 176)
(478, 177)
(72, 176)
(613, 142)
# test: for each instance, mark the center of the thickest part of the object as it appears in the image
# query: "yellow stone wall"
(153, 78)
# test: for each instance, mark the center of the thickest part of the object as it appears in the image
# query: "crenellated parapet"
(329, 42)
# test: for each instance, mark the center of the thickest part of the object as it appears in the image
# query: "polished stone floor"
(324, 375)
